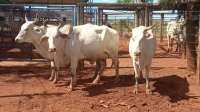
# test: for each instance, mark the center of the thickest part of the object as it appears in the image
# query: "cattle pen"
(24, 73)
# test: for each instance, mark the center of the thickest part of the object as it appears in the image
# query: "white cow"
(32, 33)
(96, 43)
(175, 32)
(142, 48)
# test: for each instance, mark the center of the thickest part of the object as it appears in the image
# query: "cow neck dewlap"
(61, 45)
(42, 49)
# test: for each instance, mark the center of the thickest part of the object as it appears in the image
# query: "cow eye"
(133, 39)
(26, 29)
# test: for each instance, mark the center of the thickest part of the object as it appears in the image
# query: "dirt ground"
(25, 87)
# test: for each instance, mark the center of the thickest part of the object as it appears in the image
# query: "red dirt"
(25, 88)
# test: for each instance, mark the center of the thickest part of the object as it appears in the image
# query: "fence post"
(80, 14)
(136, 18)
(146, 16)
(100, 16)
(161, 27)
(150, 16)
(198, 59)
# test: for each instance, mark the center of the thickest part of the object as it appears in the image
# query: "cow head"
(52, 34)
(139, 36)
(27, 31)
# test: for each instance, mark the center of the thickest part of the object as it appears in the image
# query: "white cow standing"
(142, 48)
(31, 33)
(175, 32)
(96, 43)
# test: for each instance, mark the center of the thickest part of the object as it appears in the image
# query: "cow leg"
(102, 63)
(137, 75)
(171, 45)
(148, 67)
(178, 47)
(96, 69)
(74, 64)
(54, 73)
(168, 43)
(115, 61)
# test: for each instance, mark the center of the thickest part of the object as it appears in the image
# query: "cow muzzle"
(137, 53)
(52, 50)
(17, 40)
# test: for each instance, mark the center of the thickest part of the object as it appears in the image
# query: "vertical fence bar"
(100, 16)
(78, 14)
(147, 16)
(198, 60)
(161, 27)
(95, 16)
(75, 16)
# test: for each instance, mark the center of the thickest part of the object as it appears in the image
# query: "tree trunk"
(190, 40)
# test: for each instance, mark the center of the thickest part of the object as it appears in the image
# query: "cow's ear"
(64, 36)
(147, 35)
(43, 38)
(37, 30)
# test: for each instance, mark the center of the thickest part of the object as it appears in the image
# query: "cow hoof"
(54, 82)
(135, 91)
(148, 91)
(95, 81)
(70, 89)
(117, 79)
(50, 79)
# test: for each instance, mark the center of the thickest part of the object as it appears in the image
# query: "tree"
(84, 0)
(5, 1)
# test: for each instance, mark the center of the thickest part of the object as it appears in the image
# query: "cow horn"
(36, 19)
(26, 19)
(45, 23)
(59, 25)
(150, 27)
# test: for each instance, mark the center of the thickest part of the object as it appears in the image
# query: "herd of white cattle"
(66, 45)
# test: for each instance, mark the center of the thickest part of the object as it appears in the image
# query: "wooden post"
(146, 16)
(190, 40)
(80, 21)
(142, 17)
(191, 23)
(183, 47)
(80, 14)
(198, 60)
(136, 18)
(100, 16)
(161, 27)
(150, 16)
(106, 18)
